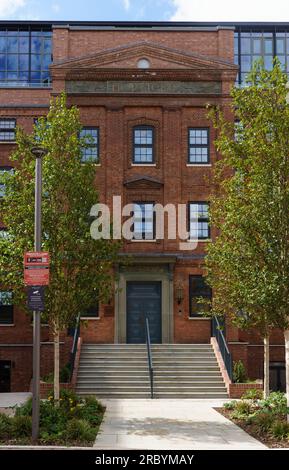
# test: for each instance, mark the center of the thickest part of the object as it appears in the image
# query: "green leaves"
(80, 266)
(248, 265)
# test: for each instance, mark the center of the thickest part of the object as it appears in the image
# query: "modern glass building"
(26, 49)
(25, 55)
(260, 41)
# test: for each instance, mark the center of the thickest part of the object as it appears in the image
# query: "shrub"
(25, 409)
(5, 426)
(243, 407)
(90, 410)
(69, 397)
(280, 429)
(49, 439)
(263, 421)
(49, 378)
(230, 405)
(21, 426)
(74, 419)
(253, 394)
(64, 374)
(52, 419)
(276, 403)
(239, 372)
(80, 430)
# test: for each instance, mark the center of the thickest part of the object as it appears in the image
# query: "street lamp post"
(38, 153)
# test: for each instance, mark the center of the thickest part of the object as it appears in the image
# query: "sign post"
(36, 298)
(38, 153)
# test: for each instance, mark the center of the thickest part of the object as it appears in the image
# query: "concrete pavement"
(7, 400)
(170, 424)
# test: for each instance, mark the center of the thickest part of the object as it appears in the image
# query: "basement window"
(6, 308)
(91, 312)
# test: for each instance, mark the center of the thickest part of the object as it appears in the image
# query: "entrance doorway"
(144, 301)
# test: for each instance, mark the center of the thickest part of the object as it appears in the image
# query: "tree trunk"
(56, 368)
(266, 366)
(286, 335)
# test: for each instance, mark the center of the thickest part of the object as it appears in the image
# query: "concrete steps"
(121, 371)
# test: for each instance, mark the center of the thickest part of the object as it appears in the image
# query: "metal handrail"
(226, 355)
(150, 362)
(74, 346)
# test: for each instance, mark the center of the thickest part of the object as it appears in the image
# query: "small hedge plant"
(239, 372)
(267, 416)
(72, 421)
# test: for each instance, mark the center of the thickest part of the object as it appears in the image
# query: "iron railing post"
(226, 355)
(150, 363)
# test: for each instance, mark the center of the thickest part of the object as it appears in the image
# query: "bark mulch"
(265, 438)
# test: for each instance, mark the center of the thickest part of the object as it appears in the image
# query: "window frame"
(89, 316)
(11, 310)
(31, 56)
(191, 277)
(139, 203)
(9, 129)
(93, 128)
(202, 219)
(207, 145)
(135, 146)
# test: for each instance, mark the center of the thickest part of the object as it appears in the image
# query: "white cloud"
(126, 4)
(9, 7)
(228, 10)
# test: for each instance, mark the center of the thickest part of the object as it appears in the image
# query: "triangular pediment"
(127, 56)
(143, 182)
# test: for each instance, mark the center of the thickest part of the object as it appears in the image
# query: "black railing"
(226, 355)
(150, 362)
(74, 346)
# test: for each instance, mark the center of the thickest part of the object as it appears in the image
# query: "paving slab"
(170, 424)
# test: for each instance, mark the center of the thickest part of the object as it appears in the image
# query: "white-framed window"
(144, 221)
(7, 129)
(90, 153)
(143, 145)
(199, 221)
(199, 146)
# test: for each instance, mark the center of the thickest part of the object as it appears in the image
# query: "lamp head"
(39, 152)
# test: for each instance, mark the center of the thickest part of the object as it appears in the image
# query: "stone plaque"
(142, 88)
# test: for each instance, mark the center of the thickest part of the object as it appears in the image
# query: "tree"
(248, 265)
(81, 267)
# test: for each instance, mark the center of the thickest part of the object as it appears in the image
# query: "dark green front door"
(143, 300)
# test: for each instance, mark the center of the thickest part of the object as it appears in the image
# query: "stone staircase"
(121, 371)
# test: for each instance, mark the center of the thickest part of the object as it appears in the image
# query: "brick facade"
(88, 56)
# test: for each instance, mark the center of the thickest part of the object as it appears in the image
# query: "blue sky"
(142, 10)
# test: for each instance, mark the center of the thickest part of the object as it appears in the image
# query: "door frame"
(162, 274)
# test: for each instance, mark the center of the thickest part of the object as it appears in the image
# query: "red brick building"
(142, 90)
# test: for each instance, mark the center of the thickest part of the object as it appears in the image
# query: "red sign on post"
(36, 268)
